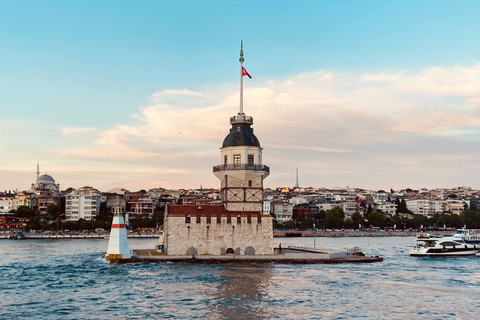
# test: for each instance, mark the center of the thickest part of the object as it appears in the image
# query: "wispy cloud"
(371, 129)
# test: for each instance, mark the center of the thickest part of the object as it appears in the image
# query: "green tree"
(334, 218)
(369, 209)
(157, 218)
(471, 218)
(24, 212)
(357, 220)
(377, 218)
(53, 211)
(420, 220)
(348, 223)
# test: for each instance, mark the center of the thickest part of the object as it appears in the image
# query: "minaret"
(38, 176)
(296, 182)
(241, 171)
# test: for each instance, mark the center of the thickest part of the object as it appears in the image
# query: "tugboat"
(443, 247)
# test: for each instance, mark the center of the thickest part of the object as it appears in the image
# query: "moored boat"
(443, 247)
(467, 235)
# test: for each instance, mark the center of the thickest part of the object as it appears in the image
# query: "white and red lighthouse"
(118, 250)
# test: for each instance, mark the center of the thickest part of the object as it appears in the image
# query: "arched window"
(249, 251)
(191, 251)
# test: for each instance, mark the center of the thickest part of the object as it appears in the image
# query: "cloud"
(367, 130)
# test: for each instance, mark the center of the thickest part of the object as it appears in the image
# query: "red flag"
(245, 73)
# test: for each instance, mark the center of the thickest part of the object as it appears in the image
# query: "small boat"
(443, 247)
(469, 236)
(17, 236)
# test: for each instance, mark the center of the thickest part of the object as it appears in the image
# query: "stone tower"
(241, 171)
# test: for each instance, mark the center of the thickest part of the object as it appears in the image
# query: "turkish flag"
(245, 73)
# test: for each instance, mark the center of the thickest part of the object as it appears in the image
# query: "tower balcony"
(241, 118)
(244, 166)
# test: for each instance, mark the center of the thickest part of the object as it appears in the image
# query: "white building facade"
(83, 203)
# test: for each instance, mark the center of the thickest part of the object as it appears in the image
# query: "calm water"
(67, 279)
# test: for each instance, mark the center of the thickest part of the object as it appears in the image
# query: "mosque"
(45, 182)
(237, 226)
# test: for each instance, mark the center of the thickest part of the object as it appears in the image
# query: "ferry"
(469, 236)
(443, 247)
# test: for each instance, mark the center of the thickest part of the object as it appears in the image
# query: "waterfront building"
(237, 225)
(455, 206)
(24, 198)
(141, 204)
(6, 204)
(387, 207)
(44, 198)
(305, 211)
(298, 200)
(419, 206)
(83, 203)
(436, 206)
(349, 208)
(282, 210)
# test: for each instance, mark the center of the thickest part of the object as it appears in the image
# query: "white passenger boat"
(443, 247)
(469, 236)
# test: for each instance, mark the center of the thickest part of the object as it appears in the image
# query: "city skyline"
(374, 95)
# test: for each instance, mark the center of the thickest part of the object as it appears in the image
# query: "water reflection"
(241, 293)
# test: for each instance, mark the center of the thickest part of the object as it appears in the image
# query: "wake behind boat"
(443, 247)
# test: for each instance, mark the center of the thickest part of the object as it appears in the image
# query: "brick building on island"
(237, 225)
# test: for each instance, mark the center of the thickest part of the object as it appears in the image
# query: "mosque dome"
(241, 134)
(46, 177)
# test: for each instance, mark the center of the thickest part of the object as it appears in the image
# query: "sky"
(138, 94)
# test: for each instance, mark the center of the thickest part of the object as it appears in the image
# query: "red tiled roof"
(206, 210)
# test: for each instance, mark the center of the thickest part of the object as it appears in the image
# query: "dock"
(290, 255)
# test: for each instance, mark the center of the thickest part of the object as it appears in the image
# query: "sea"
(69, 279)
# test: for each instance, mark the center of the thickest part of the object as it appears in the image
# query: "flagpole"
(241, 59)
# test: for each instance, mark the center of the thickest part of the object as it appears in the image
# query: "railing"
(354, 250)
(305, 249)
(250, 167)
(240, 118)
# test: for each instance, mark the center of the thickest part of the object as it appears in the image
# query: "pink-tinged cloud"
(372, 130)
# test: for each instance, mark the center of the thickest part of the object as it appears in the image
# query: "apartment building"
(83, 203)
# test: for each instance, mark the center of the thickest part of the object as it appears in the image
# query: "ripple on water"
(48, 281)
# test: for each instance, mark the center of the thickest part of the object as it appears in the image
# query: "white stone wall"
(209, 239)
(243, 151)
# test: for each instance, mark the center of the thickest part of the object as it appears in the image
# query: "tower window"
(250, 183)
(239, 129)
(237, 159)
(225, 160)
(250, 160)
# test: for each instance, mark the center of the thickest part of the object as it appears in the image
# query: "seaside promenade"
(276, 233)
(39, 236)
(356, 233)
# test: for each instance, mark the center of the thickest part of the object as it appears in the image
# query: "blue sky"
(373, 94)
